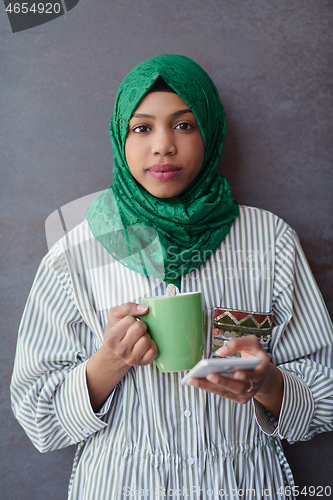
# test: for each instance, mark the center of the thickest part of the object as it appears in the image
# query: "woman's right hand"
(126, 344)
(126, 337)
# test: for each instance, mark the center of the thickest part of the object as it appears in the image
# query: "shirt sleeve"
(49, 391)
(301, 347)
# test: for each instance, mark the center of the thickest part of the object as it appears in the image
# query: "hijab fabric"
(166, 237)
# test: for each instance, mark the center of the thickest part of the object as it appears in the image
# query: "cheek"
(131, 153)
(201, 153)
(198, 151)
(134, 150)
(127, 151)
(135, 157)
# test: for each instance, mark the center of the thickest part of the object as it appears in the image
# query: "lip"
(164, 172)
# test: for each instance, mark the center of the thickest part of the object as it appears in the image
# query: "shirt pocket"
(233, 323)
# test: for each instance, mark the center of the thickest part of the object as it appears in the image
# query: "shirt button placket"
(189, 461)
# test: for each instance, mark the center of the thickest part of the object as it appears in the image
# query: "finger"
(255, 375)
(150, 354)
(129, 308)
(135, 331)
(223, 384)
(224, 390)
(124, 334)
(227, 383)
(228, 388)
(144, 351)
(248, 344)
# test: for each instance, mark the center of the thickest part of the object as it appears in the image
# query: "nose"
(163, 144)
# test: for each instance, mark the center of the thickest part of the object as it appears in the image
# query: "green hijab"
(166, 237)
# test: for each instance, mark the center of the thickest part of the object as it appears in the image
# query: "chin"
(164, 195)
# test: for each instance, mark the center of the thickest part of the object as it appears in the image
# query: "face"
(164, 147)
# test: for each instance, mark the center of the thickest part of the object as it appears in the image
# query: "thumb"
(129, 309)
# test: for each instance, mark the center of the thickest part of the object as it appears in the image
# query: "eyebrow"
(176, 113)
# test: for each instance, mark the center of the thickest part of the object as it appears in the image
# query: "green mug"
(176, 324)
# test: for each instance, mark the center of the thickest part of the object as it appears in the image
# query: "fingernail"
(141, 307)
(240, 376)
(222, 351)
(212, 378)
(193, 381)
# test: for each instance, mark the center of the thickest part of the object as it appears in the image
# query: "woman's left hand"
(265, 382)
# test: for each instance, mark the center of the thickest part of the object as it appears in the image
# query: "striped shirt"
(154, 437)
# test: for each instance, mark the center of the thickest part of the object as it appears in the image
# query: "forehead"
(160, 104)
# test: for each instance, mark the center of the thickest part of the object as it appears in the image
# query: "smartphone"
(224, 366)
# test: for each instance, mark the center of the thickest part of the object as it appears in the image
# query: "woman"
(84, 370)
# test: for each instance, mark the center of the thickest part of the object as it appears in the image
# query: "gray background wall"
(272, 63)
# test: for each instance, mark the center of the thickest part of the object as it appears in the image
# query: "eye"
(141, 129)
(184, 126)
